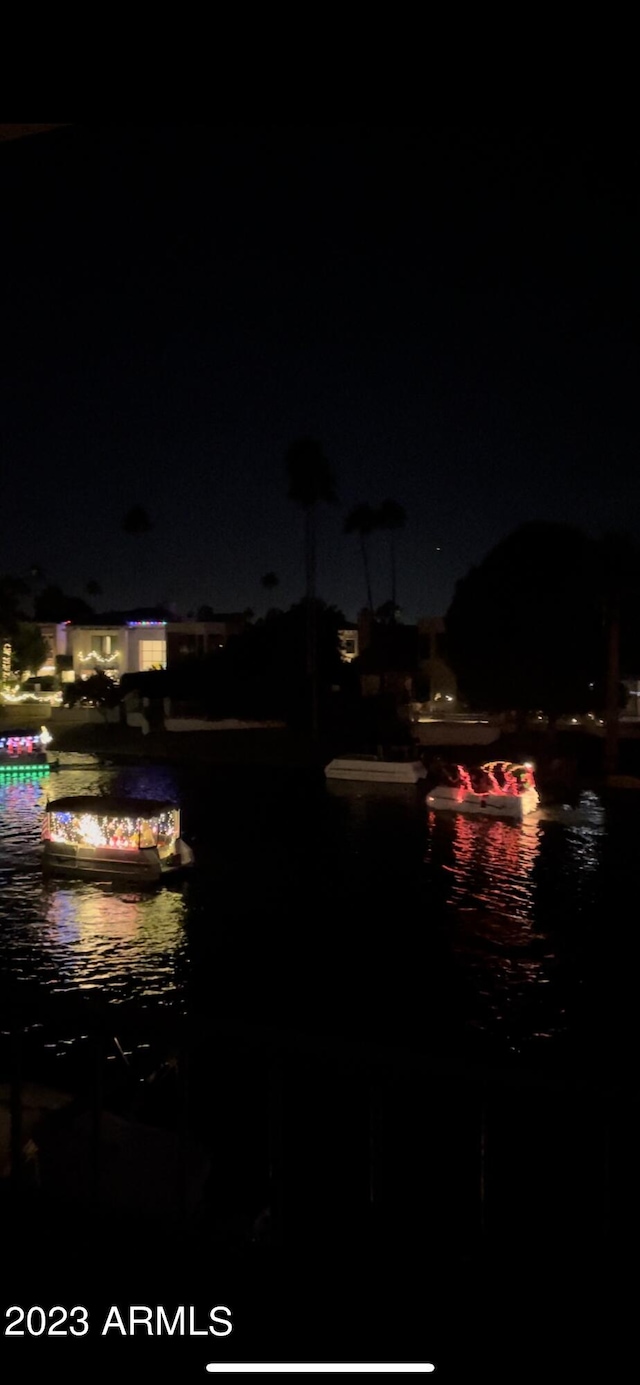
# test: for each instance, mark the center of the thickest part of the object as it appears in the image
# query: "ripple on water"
(70, 935)
(510, 890)
(336, 891)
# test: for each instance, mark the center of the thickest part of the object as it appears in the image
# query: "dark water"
(342, 910)
(354, 922)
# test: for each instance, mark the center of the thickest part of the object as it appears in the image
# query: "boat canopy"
(102, 805)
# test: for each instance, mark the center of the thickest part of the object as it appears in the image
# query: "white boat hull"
(497, 805)
(71, 759)
(112, 863)
(377, 771)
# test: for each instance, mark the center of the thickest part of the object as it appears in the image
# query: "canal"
(344, 983)
(406, 1045)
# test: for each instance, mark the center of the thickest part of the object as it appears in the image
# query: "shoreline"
(567, 765)
(271, 748)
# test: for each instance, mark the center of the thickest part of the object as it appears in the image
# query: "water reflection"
(492, 864)
(289, 874)
(69, 935)
(21, 804)
(99, 939)
(512, 892)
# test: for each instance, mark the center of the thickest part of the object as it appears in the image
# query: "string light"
(18, 746)
(133, 623)
(55, 697)
(96, 658)
(24, 771)
(101, 830)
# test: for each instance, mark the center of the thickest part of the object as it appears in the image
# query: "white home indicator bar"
(321, 1368)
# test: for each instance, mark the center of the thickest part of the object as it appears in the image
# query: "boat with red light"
(21, 748)
(498, 788)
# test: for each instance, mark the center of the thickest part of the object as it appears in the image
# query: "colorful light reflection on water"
(67, 935)
(514, 894)
(395, 921)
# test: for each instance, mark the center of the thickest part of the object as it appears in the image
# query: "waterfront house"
(124, 642)
(348, 643)
(117, 644)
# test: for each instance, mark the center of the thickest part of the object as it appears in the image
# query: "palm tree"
(93, 588)
(136, 522)
(36, 574)
(12, 589)
(310, 481)
(387, 613)
(391, 516)
(363, 520)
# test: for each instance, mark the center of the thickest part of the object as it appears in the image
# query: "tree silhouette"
(29, 649)
(362, 520)
(263, 671)
(525, 628)
(391, 517)
(36, 580)
(387, 612)
(52, 604)
(619, 568)
(93, 588)
(310, 482)
(12, 589)
(270, 581)
(137, 523)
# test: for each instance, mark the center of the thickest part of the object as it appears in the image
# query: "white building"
(348, 644)
(55, 636)
(115, 649)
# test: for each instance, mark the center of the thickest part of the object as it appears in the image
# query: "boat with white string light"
(111, 838)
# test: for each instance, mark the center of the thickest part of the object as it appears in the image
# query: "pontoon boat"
(369, 769)
(21, 748)
(498, 788)
(108, 838)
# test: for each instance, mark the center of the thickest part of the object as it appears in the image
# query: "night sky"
(451, 312)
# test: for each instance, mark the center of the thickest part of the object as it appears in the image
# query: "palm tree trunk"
(393, 574)
(312, 672)
(367, 573)
(612, 713)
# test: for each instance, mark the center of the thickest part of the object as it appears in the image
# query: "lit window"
(152, 654)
